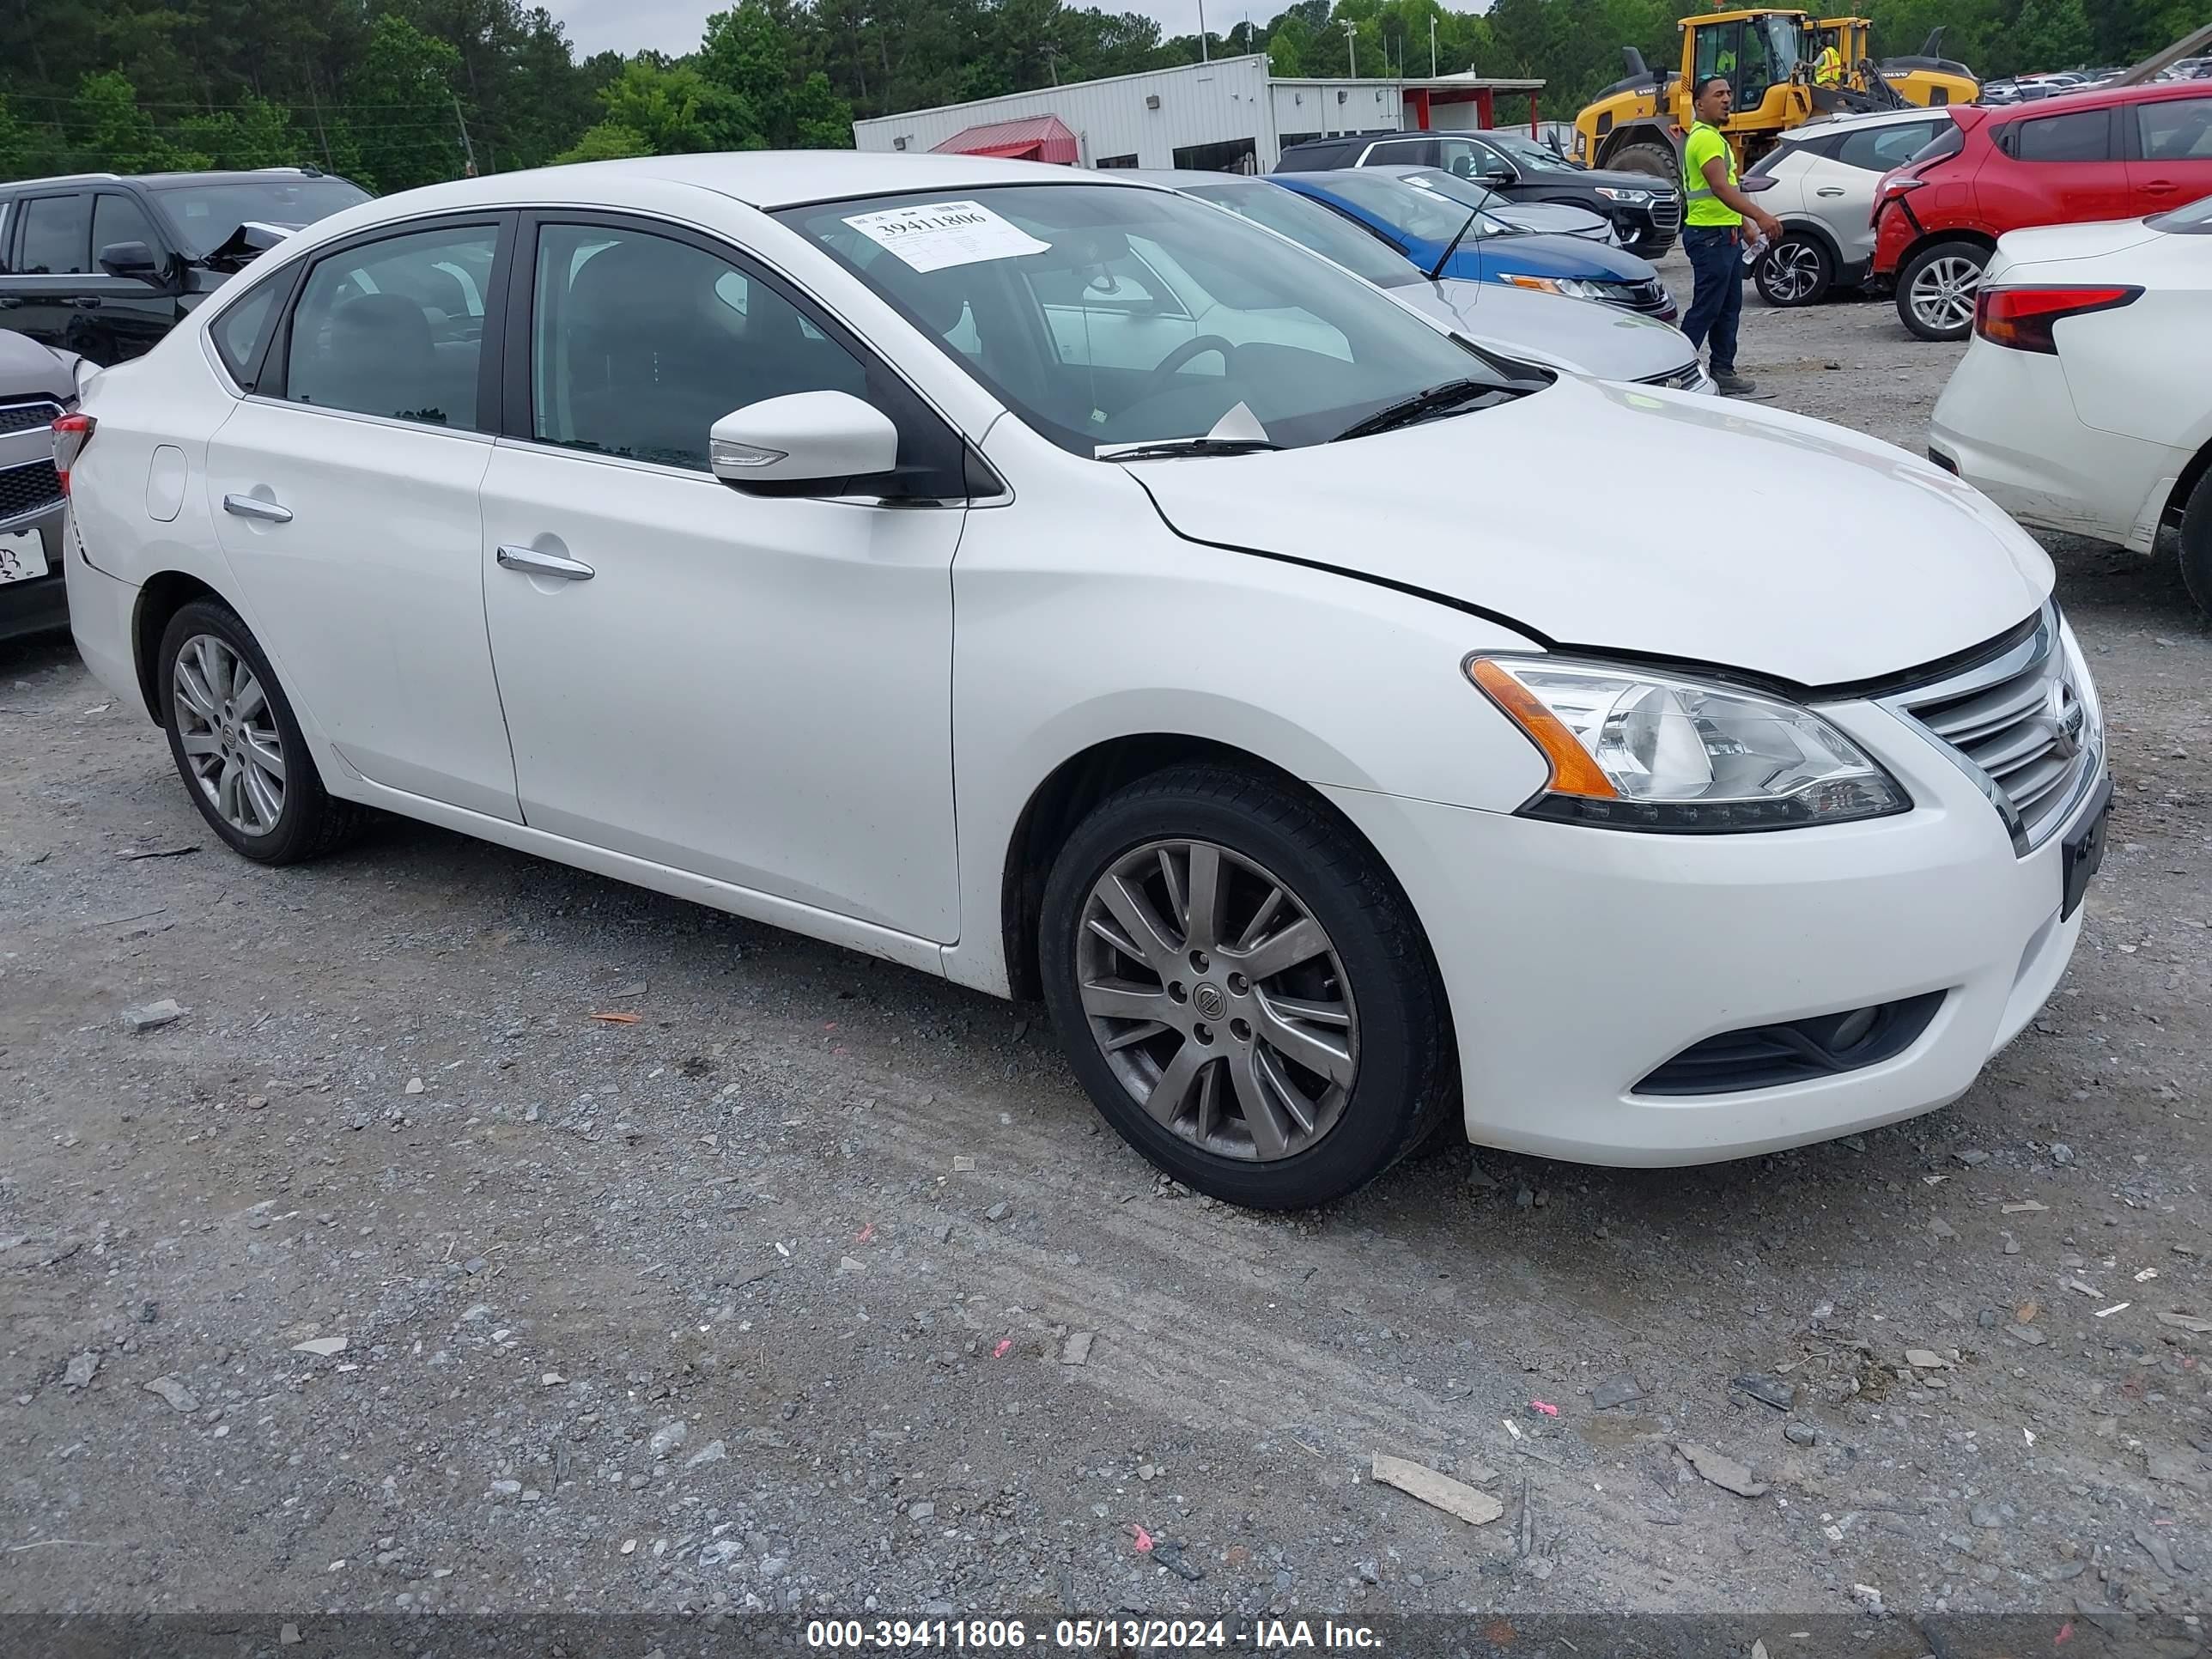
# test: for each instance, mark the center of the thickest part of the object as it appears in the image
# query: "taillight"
(2021, 318)
(71, 433)
(1889, 189)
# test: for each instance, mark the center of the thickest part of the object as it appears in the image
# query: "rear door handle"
(252, 507)
(532, 563)
(2160, 187)
(87, 303)
(1829, 189)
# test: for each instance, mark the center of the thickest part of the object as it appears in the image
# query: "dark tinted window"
(2084, 136)
(120, 219)
(57, 234)
(395, 328)
(2176, 129)
(243, 328)
(1880, 149)
(639, 344)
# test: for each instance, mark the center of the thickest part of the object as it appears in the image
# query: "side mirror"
(807, 437)
(129, 259)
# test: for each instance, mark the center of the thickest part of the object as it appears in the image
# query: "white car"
(1825, 173)
(2084, 401)
(1580, 336)
(1277, 687)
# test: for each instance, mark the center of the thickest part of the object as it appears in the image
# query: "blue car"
(1425, 212)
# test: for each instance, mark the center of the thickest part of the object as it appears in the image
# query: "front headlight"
(1635, 751)
(1626, 196)
(1573, 287)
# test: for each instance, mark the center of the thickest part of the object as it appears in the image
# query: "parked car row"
(1300, 795)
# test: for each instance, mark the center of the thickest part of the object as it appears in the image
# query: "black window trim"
(271, 372)
(2116, 143)
(968, 479)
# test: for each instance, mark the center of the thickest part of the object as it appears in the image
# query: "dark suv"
(36, 386)
(104, 266)
(1646, 212)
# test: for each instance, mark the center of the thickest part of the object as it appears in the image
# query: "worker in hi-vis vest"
(1828, 68)
(1712, 233)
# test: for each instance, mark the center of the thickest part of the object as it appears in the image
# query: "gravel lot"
(391, 1277)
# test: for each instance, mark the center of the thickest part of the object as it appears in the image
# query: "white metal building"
(1230, 115)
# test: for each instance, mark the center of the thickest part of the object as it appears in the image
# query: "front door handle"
(87, 303)
(252, 507)
(532, 563)
(2160, 187)
(9, 303)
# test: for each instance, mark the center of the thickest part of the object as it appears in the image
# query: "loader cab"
(1759, 53)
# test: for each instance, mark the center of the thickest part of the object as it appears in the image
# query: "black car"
(104, 266)
(1646, 212)
(36, 384)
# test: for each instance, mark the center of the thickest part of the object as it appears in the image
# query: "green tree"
(2052, 34)
(106, 122)
(608, 140)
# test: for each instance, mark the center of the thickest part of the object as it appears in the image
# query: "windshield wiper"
(1419, 407)
(1154, 448)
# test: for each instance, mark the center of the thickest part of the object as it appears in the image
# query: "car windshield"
(1465, 192)
(1526, 154)
(1423, 216)
(1312, 225)
(2195, 220)
(205, 215)
(1106, 315)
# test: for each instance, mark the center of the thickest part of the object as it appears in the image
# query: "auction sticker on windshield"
(939, 234)
(22, 556)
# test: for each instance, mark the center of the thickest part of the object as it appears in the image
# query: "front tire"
(1795, 271)
(2197, 545)
(1244, 990)
(237, 745)
(1936, 289)
(1656, 159)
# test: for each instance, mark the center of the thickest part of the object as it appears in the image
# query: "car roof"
(2081, 98)
(1828, 126)
(763, 179)
(204, 176)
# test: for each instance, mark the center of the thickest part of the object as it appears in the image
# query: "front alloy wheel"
(1218, 1000)
(1243, 987)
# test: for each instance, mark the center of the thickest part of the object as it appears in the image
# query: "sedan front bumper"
(1578, 960)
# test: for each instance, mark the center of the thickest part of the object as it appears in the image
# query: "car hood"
(1538, 255)
(1614, 179)
(2048, 243)
(1823, 557)
(28, 369)
(1572, 334)
(1552, 219)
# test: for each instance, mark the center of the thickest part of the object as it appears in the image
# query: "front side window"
(1877, 150)
(1235, 317)
(57, 236)
(639, 343)
(2084, 136)
(120, 219)
(396, 328)
(2176, 129)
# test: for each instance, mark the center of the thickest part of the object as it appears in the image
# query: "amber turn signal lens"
(1573, 771)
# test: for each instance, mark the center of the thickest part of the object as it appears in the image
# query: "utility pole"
(1352, 48)
(1433, 46)
(1202, 32)
(467, 149)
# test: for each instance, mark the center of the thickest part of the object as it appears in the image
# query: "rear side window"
(1877, 150)
(2176, 129)
(395, 328)
(2083, 136)
(120, 219)
(243, 329)
(1949, 139)
(57, 235)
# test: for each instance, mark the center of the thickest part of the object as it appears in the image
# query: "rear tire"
(2197, 545)
(237, 745)
(1795, 271)
(1341, 1032)
(1936, 289)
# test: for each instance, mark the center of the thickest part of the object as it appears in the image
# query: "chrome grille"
(2024, 725)
(1688, 378)
(22, 417)
(1666, 213)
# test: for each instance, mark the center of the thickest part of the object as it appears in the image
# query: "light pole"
(1352, 48)
(1432, 46)
(1202, 32)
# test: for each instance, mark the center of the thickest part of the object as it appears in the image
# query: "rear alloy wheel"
(1936, 288)
(1795, 271)
(1242, 989)
(236, 743)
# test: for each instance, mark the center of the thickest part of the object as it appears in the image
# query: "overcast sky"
(674, 26)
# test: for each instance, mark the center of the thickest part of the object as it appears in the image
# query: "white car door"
(753, 688)
(345, 488)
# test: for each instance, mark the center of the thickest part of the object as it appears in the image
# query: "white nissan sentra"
(1056, 584)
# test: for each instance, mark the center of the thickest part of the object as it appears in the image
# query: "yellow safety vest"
(1705, 143)
(1828, 68)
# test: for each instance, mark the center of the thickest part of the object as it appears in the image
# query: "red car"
(2117, 153)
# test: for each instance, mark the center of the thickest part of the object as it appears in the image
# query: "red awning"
(1033, 138)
